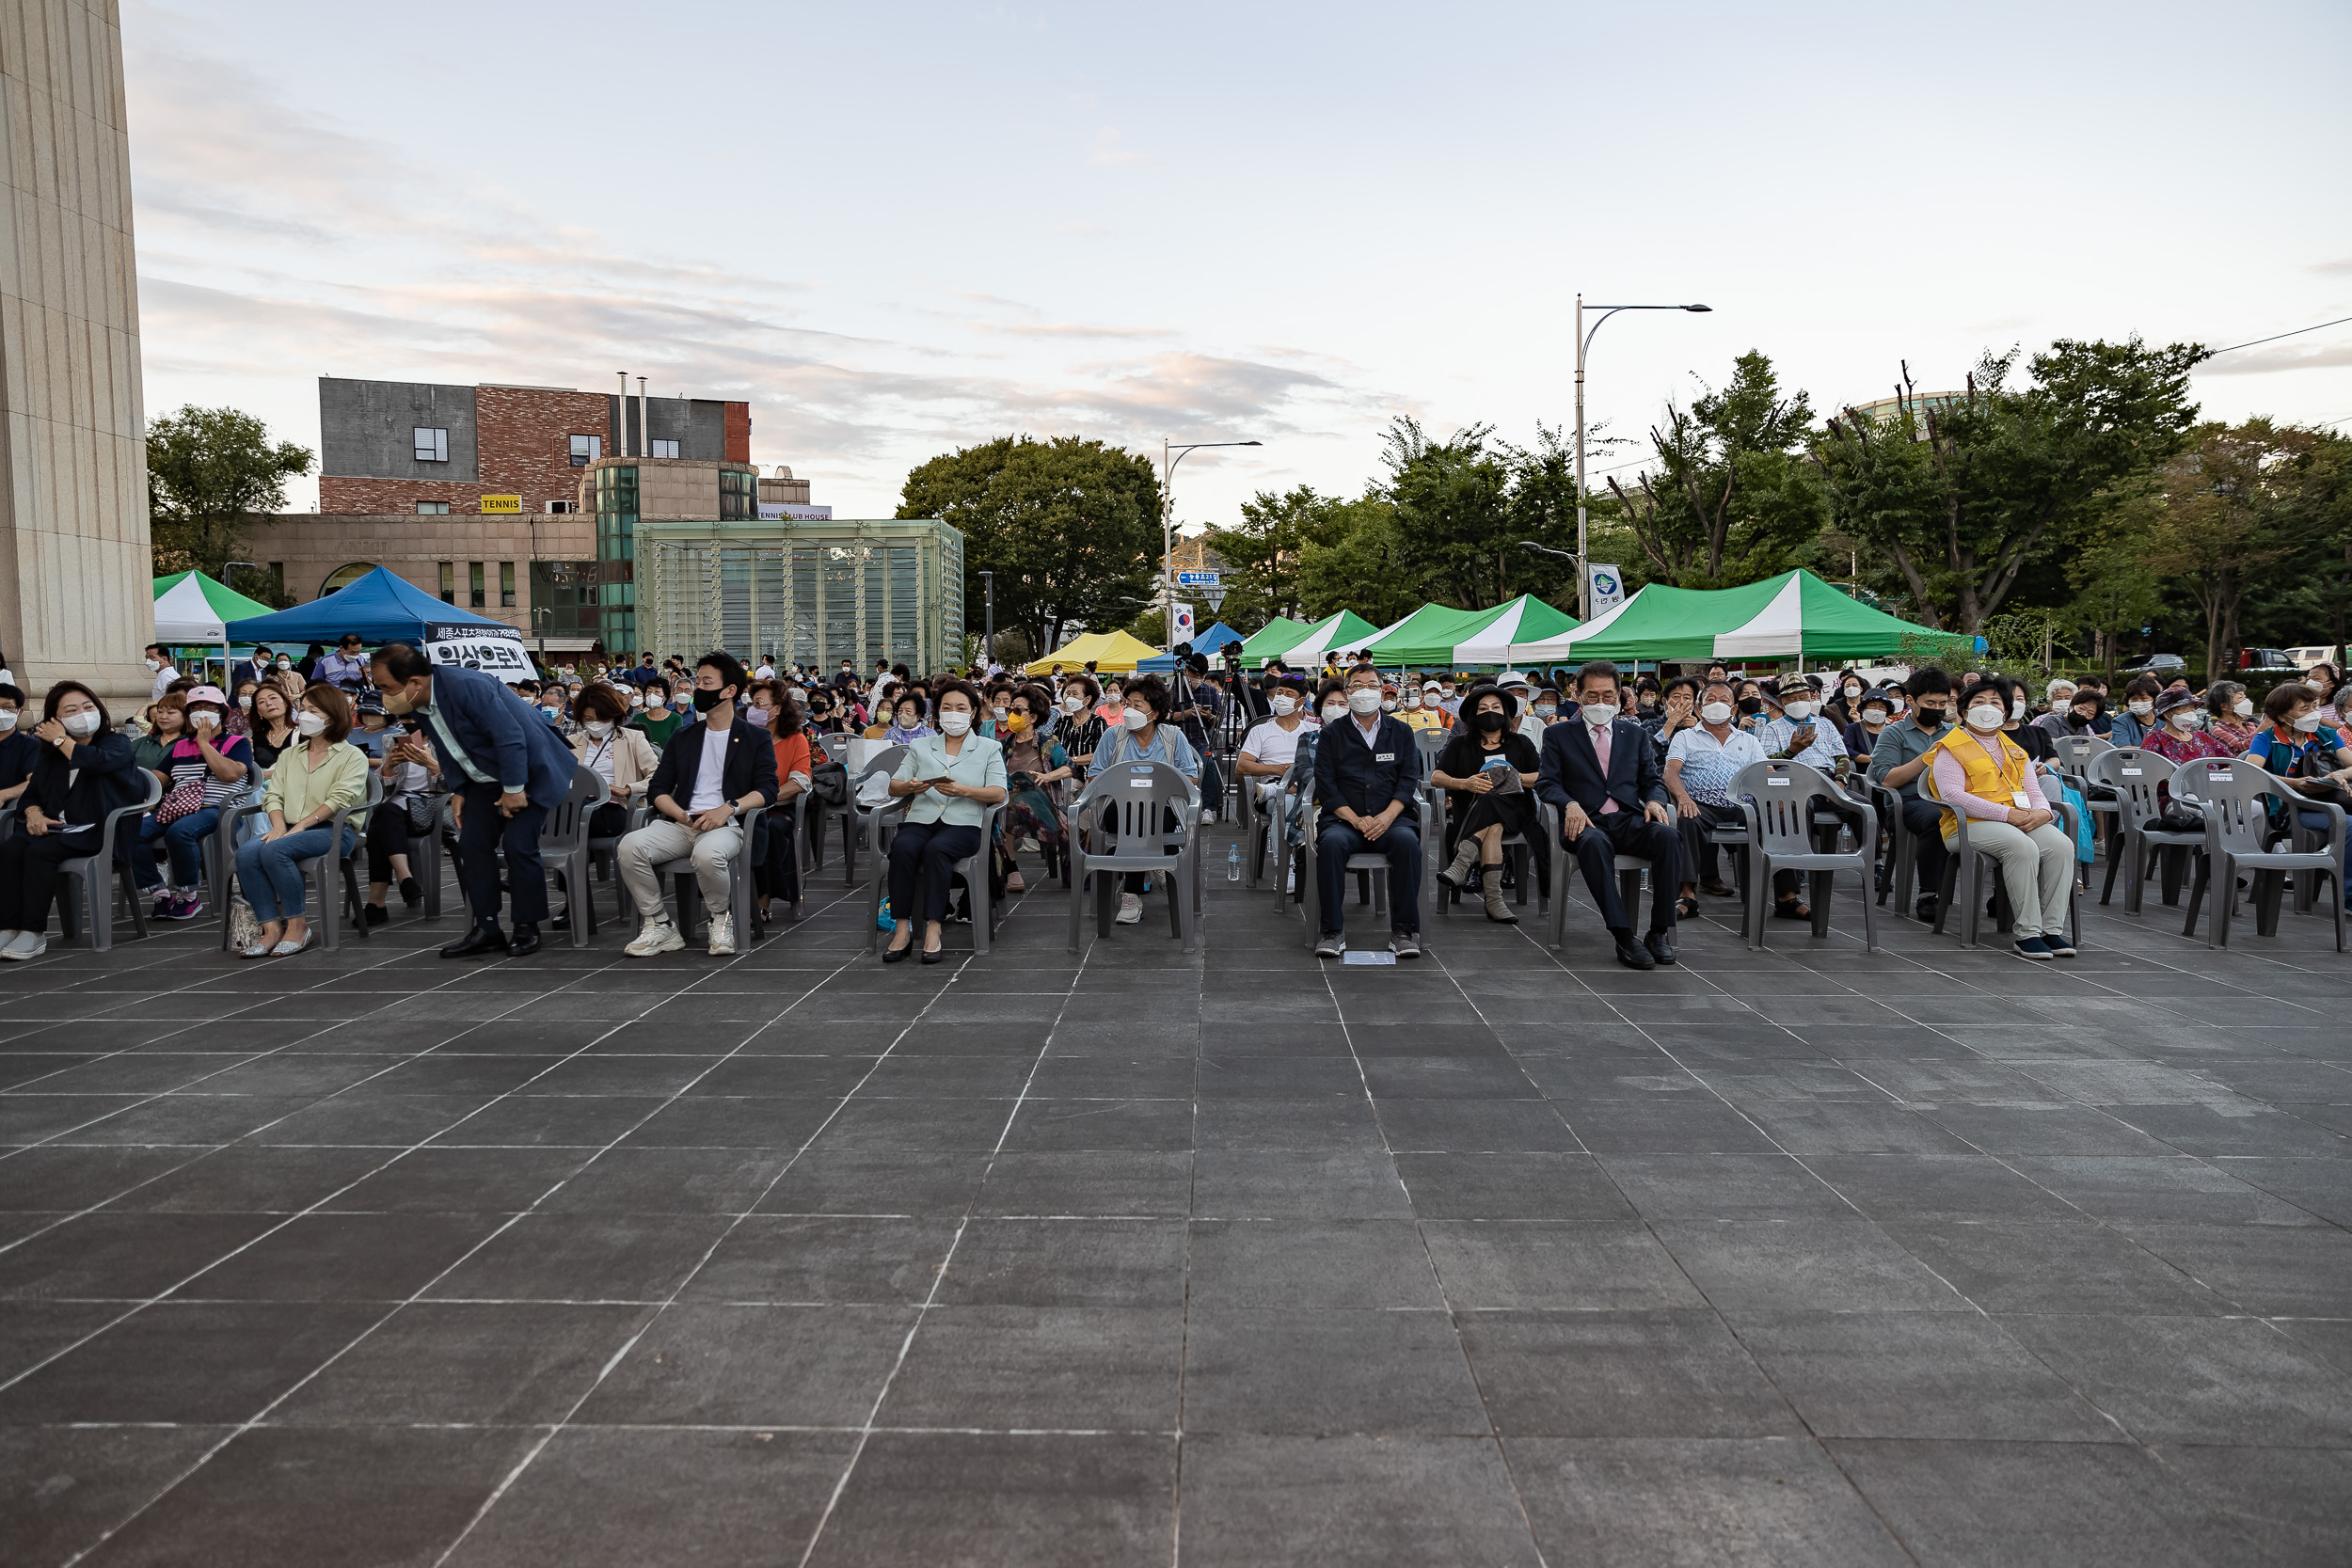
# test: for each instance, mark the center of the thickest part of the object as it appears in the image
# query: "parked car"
(2303, 658)
(2267, 658)
(2155, 664)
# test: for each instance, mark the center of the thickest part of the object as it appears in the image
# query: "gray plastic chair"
(859, 822)
(323, 919)
(217, 850)
(1265, 828)
(1120, 824)
(1372, 868)
(2075, 756)
(2231, 791)
(686, 891)
(2134, 773)
(973, 868)
(80, 877)
(1630, 869)
(1779, 800)
(564, 848)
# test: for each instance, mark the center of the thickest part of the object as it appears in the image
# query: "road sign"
(1196, 580)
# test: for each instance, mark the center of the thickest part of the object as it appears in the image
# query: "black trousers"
(1625, 832)
(480, 837)
(779, 875)
(28, 874)
(388, 835)
(927, 852)
(1708, 858)
(1925, 822)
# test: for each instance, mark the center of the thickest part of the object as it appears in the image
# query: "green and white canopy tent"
(1275, 637)
(1311, 643)
(1525, 619)
(1794, 615)
(191, 609)
(1439, 635)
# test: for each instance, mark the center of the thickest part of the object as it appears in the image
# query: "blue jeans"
(182, 841)
(1335, 841)
(267, 873)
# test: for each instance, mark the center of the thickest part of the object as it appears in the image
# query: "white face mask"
(2143, 707)
(1363, 700)
(1412, 699)
(312, 722)
(1072, 702)
(1388, 705)
(1874, 717)
(637, 701)
(1853, 692)
(2017, 709)
(1134, 718)
(81, 726)
(955, 723)
(657, 703)
(1598, 714)
(155, 664)
(1334, 712)
(1546, 710)
(999, 713)
(2308, 723)
(1113, 698)
(2183, 719)
(1447, 690)
(599, 727)
(1984, 716)
(8, 722)
(1284, 707)
(1799, 711)
(1897, 706)
(1716, 713)
(2243, 707)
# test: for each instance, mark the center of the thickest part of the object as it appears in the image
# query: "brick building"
(423, 447)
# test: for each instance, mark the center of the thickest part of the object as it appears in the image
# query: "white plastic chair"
(1778, 798)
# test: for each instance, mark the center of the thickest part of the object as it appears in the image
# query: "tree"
(1359, 566)
(1963, 497)
(1263, 553)
(209, 471)
(2117, 591)
(1451, 503)
(1730, 497)
(2221, 519)
(1071, 526)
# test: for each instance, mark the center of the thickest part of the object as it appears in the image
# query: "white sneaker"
(1130, 909)
(25, 945)
(722, 935)
(658, 936)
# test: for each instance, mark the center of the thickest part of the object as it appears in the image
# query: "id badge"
(2019, 797)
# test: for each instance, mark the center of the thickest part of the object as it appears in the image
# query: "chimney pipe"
(621, 425)
(645, 418)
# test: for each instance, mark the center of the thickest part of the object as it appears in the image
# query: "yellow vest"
(1984, 780)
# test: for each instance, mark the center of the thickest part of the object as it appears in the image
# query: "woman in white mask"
(948, 781)
(2230, 715)
(311, 782)
(2296, 743)
(1980, 768)
(1141, 737)
(1078, 727)
(85, 771)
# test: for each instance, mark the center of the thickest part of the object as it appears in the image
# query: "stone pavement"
(1803, 1256)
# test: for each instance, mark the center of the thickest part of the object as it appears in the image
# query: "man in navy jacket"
(1367, 767)
(710, 773)
(1601, 772)
(509, 768)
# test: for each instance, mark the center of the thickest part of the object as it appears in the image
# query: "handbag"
(422, 811)
(180, 801)
(244, 929)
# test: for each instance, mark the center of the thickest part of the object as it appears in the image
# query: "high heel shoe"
(932, 955)
(897, 954)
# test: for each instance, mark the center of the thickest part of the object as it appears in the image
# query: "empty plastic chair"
(1137, 816)
(1780, 798)
(2232, 792)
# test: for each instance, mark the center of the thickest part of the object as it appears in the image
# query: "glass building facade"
(615, 589)
(815, 591)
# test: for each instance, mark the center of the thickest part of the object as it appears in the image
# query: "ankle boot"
(1458, 871)
(1497, 909)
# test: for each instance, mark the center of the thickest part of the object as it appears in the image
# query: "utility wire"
(2296, 333)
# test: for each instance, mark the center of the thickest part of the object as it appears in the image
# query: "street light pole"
(988, 640)
(1169, 457)
(1584, 341)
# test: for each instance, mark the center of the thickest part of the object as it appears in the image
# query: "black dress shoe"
(377, 915)
(411, 892)
(932, 955)
(526, 938)
(481, 940)
(1661, 945)
(562, 921)
(1632, 954)
(897, 954)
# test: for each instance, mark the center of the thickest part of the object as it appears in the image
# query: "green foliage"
(1071, 526)
(2224, 519)
(1264, 553)
(1358, 567)
(209, 472)
(1962, 497)
(1732, 500)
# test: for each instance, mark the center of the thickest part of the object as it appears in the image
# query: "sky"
(900, 229)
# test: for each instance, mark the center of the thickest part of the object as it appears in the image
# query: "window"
(481, 596)
(432, 445)
(448, 582)
(506, 585)
(665, 449)
(343, 577)
(586, 450)
(433, 509)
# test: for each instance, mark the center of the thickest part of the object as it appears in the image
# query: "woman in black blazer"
(85, 771)
(1486, 742)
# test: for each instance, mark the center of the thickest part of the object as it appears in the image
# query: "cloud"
(1108, 150)
(2341, 265)
(1084, 230)
(2283, 357)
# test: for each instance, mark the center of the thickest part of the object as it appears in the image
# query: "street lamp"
(1583, 341)
(1169, 457)
(988, 642)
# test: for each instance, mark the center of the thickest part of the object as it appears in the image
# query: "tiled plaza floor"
(1800, 1257)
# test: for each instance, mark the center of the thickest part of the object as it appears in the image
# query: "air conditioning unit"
(562, 506)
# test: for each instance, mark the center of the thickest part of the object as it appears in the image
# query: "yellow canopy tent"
(1111, 651)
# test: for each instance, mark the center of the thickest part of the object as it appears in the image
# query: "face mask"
(1134, 718)
(657, 703)
(1284, 707)
(245, 703)
(1751, 704)
(312, 722)
(706, 700)
(955, 723)
(1984, 716)
(2017, 709)
(1334, 712)
(2243, 707)
(81, 726)
(1598, 714)
(1072, 702)
(2308, 723)
(2184, 720)
(599, 727)
(998, 712)
(1491, 722)
(553, 713)
(759, 715)
(1412, 699)
(155, 664)
(1930, 718)
(1716, 713)
(1016, 722)
(1388, 705)
(285, 664)
(1363, 700)
(1546, 710)
(1799, 711)
(1874, 717)
(2079, 720)
(1853, 692)
(2142, 708)
(637, 701)
(1113, 698)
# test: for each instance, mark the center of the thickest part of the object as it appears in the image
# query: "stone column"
(76, 595)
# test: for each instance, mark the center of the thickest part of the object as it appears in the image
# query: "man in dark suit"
(250, 669)
(1601, 772)
(1367, 767)
(509, 768)
(710, 773)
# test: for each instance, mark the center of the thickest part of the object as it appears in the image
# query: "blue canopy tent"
(382, 608)
(1212, 640)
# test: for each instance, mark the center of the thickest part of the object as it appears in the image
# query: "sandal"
(1686, 908)
(1791, 908)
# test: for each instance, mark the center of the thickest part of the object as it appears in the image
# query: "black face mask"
(1491, 722)
(1929, 718)
(706, 700)
(1751, 704)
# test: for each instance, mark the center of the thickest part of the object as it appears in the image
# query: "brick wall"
(342, 495)
(525, 440)
(738, 417)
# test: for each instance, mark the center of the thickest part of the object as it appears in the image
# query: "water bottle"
(1233, 863)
